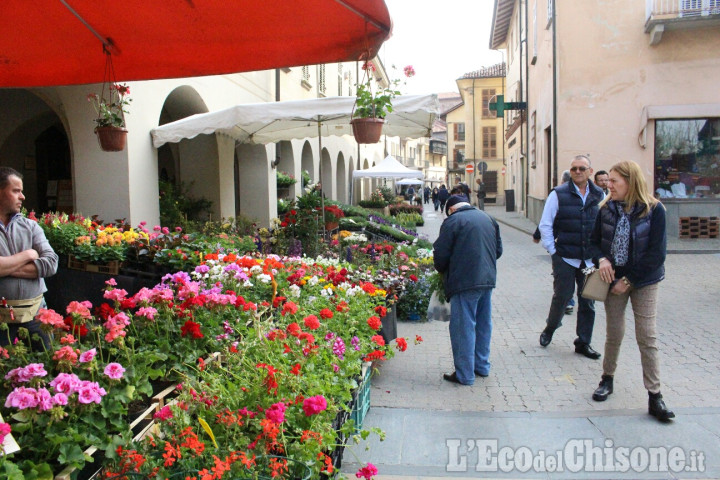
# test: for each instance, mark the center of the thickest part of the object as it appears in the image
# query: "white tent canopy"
(409, 181)
(388, 168)
(261, 123)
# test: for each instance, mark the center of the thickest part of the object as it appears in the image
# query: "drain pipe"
(555, 91)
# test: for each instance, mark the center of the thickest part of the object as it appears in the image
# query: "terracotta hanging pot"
(367, 130)
(111, 139)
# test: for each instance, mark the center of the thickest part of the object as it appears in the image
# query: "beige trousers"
(644, 306)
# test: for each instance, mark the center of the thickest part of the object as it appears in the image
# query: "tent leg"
(322, 196)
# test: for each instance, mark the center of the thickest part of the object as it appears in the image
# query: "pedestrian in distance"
(443, 196)
(26, 258)
(480, 192)
(567, 220)
(426, 194)
(601, 180)
(435, 200)
(630, 234)
(466, 253)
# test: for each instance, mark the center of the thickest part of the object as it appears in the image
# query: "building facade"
(47, 135)
(475, 133)
(619, 81)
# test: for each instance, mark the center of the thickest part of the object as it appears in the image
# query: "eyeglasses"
(578, 169)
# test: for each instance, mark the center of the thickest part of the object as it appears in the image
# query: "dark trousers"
(566, 277)
(34, 328)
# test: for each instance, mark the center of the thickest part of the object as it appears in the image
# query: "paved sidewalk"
(540, 398)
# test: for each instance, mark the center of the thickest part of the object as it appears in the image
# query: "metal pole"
(322, 197)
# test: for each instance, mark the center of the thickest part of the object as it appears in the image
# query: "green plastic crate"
(362, 400)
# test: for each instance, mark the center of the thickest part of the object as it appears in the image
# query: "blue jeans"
(470, 332)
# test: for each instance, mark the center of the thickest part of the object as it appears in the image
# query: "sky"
(441, 39)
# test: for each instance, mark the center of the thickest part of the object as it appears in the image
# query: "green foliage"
(415, 299)
(372, 203)
(387, 193)
(305, 178)
(178, 208)
(62, 233)
(409, 220)
(284, 179)
(403, 207)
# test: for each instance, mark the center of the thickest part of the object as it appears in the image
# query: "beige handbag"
(595, 288)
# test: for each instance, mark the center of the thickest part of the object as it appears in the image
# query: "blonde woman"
(630, 233)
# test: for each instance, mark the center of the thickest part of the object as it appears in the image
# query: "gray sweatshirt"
(22, 234)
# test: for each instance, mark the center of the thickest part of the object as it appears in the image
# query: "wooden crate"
(699, 227)
(110, 268)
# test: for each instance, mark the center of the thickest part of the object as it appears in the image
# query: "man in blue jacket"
(465, 254)
(567, 221)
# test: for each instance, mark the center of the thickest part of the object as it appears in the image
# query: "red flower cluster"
(374, 322)
(191, 328)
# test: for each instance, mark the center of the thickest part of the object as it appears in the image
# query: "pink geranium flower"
(88, 356)
(114, 370)
(367, 472)
(276, 413)
(50, 317)
(314, 405)
(66, 383)
(79, 308)
(90, 392)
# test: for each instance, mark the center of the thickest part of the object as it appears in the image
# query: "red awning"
(46, 44)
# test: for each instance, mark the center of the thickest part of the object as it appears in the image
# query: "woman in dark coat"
(630, 233)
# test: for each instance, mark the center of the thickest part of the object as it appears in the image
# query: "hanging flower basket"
(367, 130)
(111, 139)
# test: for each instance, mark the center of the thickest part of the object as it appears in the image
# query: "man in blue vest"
(565, 227)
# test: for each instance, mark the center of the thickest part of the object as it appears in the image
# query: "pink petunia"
(314, 405)
(88, 356)
(114, 370)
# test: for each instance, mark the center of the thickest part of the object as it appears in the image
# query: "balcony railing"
(661, 15)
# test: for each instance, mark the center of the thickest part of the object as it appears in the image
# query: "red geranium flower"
(326, 313)
(191, 328)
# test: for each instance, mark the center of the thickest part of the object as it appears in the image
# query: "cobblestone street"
(540, 398)
(528, 377)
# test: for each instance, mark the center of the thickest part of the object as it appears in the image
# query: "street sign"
(469, 168)
(503, 170)
(500, 105)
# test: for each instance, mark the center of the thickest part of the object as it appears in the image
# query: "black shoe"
(657, 408)
(604, 389)
(587, 350)
(546, 337)
(568, 310)
(452, 377)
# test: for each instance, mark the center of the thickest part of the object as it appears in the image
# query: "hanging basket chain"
(109, 81)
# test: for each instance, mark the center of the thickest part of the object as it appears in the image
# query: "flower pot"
(367, 130)
(111, 139)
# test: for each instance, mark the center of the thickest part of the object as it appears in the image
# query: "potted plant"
(371, 107)
(110, 129)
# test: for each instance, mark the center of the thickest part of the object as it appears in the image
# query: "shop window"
(687, 158)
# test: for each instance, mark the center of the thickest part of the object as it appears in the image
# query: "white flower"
(256, 269)
(247, 284)
(313, 281)
(295, 291)
(264, 277)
